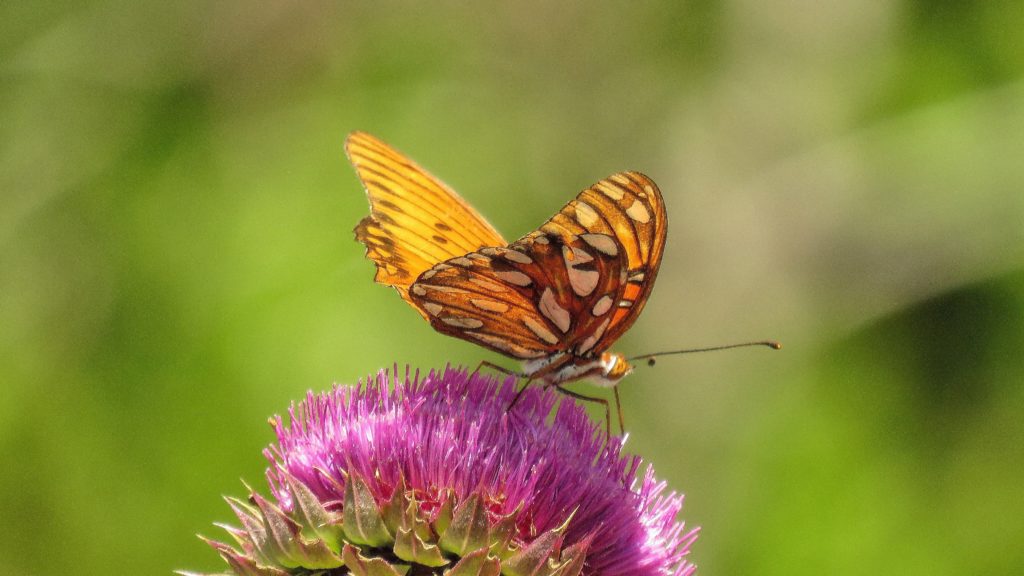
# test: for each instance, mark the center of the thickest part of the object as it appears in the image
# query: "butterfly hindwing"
(623, 215)
(574, 285)
(540, 296)
(415, 220)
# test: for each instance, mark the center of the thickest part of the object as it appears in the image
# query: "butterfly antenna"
(650, 357)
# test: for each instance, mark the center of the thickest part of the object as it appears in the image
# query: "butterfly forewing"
(415, 220)
(572, 286)
(540, 296)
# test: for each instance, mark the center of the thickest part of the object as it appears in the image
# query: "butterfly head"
(614, 367)
(605, 370)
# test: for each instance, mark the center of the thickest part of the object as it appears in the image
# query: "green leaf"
(501, 536)
(314, 516)
(282, 534)
(476, 563)
(240, 536)
(539, 558)
(276, 539)
(412, 520)
(252, 523)
(411, 548)
(394, 509)
(363, 523)
(571, 563)
(360, 565)
(468, 530)
(443, 519)
(242, 565)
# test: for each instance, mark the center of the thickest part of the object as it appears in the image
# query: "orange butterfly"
(556, 298)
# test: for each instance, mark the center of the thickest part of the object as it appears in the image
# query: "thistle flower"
(434, 476)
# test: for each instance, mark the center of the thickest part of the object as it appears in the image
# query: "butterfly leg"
(518, 394)
(496, 368)
(618, 408)
(607, 408)
(503, 370)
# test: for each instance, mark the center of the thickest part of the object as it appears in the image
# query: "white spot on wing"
(506, 346)
(553, 311)
(603, 243)
(487, 285)
(602, 306)
(638, 212)
(433, 308)
(540, 330)
(420, 289)
(585, 214)
(587, 344)
(514, 277)
(489, 305)
(499, 343)
(575, 256)
(516, 256)
(583, 282)
(610, 190)
(462, 322)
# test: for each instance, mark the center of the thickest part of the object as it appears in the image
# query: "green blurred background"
(177, 262)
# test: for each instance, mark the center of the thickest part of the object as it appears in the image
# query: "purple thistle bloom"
(538, 495)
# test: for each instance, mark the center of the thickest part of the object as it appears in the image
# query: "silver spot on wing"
(513, 277)
(638, 212)
(489, 305)
(602, 306)
(540, 330)
(603, 243)
(553, 311)
(462, 322)
(589, 342)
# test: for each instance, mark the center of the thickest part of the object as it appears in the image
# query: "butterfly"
(556, 299)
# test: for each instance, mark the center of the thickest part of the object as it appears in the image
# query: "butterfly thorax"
(605, 370)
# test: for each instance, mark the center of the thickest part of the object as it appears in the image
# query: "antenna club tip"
(774, 345)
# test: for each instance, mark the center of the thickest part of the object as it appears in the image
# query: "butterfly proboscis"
(651, 360)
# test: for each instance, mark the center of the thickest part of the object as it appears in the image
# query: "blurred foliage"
(176, 261)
